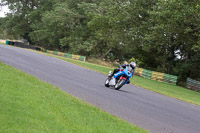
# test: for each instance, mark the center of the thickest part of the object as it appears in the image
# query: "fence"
(77, 57)
(161, 77)
(193, 84)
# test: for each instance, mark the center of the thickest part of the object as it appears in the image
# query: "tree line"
(161, 35)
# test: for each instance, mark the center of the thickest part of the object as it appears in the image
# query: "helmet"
(133, 65)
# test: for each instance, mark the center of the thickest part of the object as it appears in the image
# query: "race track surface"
(151, 111)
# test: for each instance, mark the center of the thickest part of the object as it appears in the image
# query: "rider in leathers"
(130, 67)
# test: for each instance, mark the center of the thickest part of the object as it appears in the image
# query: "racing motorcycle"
(118, 79)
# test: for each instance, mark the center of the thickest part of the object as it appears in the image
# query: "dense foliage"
(162, 35)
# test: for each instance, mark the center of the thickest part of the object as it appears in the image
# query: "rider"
(131, 68)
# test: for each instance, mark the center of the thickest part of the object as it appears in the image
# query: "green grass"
(173, 91)
(28, 105)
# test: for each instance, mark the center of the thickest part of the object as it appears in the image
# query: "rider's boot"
(110, 74)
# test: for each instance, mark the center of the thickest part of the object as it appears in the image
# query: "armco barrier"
(49, 51)
(82, 58)
(18, 43)
(170, 79)
(68, 55)
(7, 42)
(161, 77)
(146, 74)
(138, 71)
(60, 54)
(77, 57)
(193, 84)
(55, 52)
(157, 76)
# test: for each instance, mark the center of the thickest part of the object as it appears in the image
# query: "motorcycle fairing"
(126, 72)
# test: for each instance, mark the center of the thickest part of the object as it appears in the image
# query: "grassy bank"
(28, 105)
(158, 87)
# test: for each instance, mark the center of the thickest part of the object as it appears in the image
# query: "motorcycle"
(118, 79)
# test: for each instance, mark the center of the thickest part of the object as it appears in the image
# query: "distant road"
(149, 110)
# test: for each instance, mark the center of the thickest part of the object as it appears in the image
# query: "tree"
(175, 27)
(24, 15)
(162, 35)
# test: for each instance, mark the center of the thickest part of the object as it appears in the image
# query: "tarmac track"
(151, 111)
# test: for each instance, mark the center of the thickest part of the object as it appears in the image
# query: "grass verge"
(28, 105)
(173, 91)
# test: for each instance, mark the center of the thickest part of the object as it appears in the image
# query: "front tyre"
(107, 83)
(119, 84)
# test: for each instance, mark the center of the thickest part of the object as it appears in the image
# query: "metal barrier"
(193, 84)
(161, 77)
(77, 57)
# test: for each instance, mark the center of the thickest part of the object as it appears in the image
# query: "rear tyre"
(107, 83)
(119, 84)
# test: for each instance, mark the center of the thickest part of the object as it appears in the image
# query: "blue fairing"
(125, 72)
(118, 74)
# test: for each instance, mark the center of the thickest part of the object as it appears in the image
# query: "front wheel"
(119, 84)
(107, 83)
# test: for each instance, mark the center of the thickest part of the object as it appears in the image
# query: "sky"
(3, 10)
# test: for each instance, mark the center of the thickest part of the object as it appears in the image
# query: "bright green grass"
(28, 105)
(168, 90)
(158, 87)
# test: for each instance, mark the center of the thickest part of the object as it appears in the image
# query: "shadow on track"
(120, 90)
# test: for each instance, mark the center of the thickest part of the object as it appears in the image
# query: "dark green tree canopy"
(162, 35)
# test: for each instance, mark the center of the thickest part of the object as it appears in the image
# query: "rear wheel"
(119, 84)
(107, 83)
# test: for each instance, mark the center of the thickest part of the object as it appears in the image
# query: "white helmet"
(133, 64)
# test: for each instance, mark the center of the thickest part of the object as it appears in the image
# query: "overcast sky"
(3, 10)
